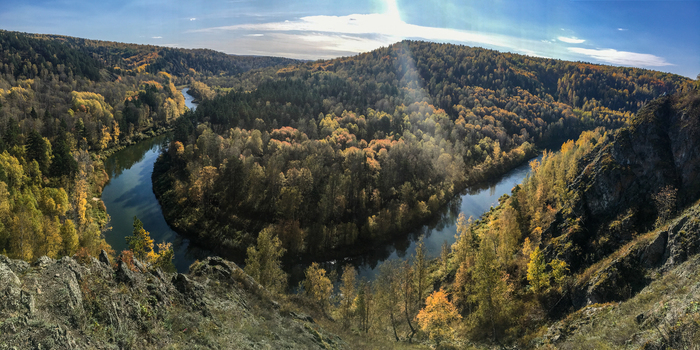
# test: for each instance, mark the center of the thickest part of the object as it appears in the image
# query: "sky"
(656, 34)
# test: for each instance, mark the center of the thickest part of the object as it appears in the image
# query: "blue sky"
(662, 35)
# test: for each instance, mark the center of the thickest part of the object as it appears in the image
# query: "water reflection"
(130, 193)
(472, 202)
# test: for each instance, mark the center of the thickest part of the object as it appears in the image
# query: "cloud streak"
(331, 36)
(570, 40)
(624, 58)
(386, 28)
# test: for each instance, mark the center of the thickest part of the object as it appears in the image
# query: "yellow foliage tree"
(164, 258)
(317, 285)
(141, 243)
(69, 238)
(264, 261)
(536, 274)
(437, 315)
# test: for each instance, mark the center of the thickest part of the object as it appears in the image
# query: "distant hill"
(340, 152)
(85, 57)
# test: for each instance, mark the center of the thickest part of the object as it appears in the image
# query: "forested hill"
(22, 51)
(592, 226)
(332, 153)
(443, 69)
(63, 102)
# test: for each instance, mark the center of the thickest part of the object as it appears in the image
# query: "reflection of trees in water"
(447, 216)
(400, 245)
(126, 158)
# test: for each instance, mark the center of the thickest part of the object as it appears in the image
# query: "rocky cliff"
(67, 304)
(616, 233)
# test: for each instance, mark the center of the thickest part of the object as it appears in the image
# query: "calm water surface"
(472, 202)
(130, 193)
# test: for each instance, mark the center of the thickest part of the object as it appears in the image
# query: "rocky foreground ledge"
(67, 304)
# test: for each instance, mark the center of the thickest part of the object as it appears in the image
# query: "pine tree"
(37, 148)
(140, 243)
(63, 163)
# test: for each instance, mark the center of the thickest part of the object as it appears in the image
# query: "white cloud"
(344, 43)
(156, 37)
(622, 29)
(313, 37)
(570, 40)
(193, 19)
(390, 27)
(624, 58)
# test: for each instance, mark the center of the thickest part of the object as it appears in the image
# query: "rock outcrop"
(615, 189)
(68, 305)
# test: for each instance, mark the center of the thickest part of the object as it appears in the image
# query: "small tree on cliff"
(264, 262)
(140, 243)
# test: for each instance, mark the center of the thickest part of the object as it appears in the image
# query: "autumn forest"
(287, 162)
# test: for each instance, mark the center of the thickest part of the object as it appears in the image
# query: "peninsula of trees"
(328, 154)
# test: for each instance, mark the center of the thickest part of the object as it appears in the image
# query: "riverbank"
(128, 193)
(473, 201)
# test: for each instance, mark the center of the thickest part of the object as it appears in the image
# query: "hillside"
(664, 314)
(612, 217)
(339, 152)
(86, 303)
(84, 57)
(63, 108)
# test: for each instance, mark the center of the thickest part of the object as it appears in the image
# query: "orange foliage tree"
(437, 315)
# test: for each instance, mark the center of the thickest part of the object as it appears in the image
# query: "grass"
(665, 312)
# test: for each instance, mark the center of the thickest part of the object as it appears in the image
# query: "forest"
(331, 153)
(519, 275)
(64, 106)
(290, 161)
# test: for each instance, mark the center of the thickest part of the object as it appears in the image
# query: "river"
(130, 193)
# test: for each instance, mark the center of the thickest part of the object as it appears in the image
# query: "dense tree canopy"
(332, 153)
(65, 100)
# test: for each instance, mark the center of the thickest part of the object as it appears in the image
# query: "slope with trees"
(63, 106)
(332, 153)
(556, 264)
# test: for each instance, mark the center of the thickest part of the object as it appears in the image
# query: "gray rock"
(124, 274)
(189, 288)
(75, 296)
(44, 262)
(17, 266)
(139, 265)
(301, 316)
(28, 301)
(104, 258)
(9, 289)
(655, 250)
